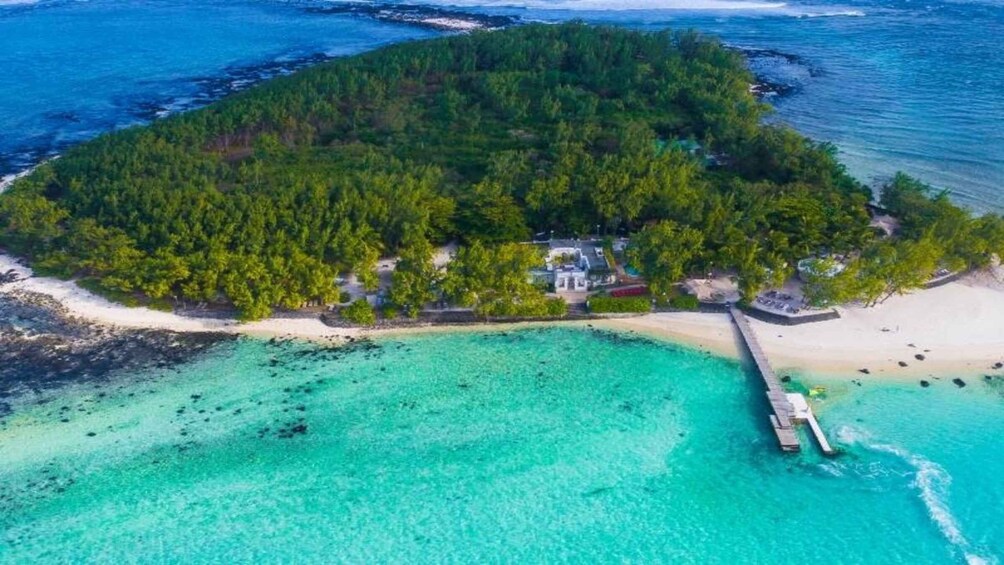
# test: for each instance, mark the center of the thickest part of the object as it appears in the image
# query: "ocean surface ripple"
(538, 445)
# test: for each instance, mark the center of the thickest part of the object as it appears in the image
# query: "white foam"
(664, 5)
(931, 480)
(7, 180)
(609, 5)
(832, 469)
(452, 23)
(837, 14)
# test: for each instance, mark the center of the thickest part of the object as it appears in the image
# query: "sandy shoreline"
(958, 329)
(84, 304)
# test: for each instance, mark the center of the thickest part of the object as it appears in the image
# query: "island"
(335, 187)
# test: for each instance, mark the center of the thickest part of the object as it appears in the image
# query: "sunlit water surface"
(525, 446)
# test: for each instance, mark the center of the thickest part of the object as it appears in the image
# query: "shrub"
(161, 305)
(684, 302)
(557, 307)
(344, 297)
(390, 311)
(111, 294)
(611, 304)
(359, 312)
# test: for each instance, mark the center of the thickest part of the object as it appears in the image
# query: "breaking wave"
(838, 14)
(931, 480)
(607, 5)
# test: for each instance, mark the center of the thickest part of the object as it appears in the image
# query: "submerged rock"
(43, 347)
(925, 384)
(959, 382)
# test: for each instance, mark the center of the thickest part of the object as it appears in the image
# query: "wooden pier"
(783, 417)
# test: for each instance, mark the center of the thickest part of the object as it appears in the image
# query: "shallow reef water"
(548, 444)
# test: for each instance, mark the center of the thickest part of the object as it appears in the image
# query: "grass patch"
(684, 302)
(625, 304)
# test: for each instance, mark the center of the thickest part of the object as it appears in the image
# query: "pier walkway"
(783, 417)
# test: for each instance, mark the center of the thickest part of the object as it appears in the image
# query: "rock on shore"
(42, 346)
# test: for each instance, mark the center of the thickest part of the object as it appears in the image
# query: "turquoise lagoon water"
(542, 445)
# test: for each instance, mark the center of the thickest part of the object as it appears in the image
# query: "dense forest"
(266, 197)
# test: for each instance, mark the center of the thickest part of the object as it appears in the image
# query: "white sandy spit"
(86, 305)
(7, 180)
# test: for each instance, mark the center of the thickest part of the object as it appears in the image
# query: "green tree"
(415, 275)
(359, 312)
(495, 281)
(663, 252)
(492, 213)
(827, 283)
(30, 223)
(906, 265)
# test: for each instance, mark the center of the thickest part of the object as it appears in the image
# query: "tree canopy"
(495, 281)
(934, 235)
(265, 197)
(414, 276)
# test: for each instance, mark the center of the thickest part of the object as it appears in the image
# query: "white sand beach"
(86, 305)
(6, 181)
(958, 328)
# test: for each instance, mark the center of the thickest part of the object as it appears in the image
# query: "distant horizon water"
(895, 85)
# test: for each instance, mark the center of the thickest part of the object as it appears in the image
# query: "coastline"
(86, 305)
(7, 180)
(958, 329)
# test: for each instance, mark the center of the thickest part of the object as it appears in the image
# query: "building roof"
(586, 248)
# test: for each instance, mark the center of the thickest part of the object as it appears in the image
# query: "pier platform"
(803, 413)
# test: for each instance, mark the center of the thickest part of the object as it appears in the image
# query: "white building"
(575, 266)
(570, 280)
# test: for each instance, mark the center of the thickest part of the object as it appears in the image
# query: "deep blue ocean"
(913, 85)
